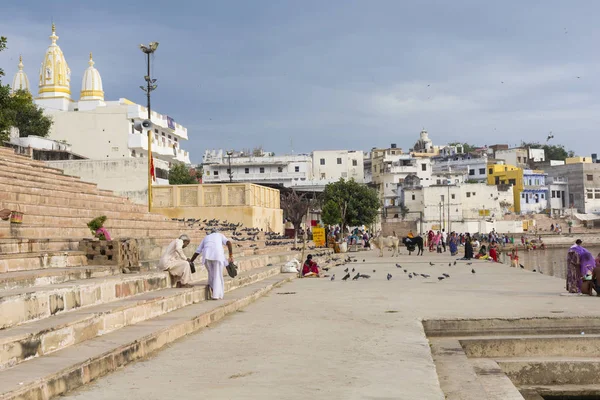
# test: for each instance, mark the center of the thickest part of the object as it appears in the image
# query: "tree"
(349, 204)
(404, 211)
(179, 174)
(552, 152)
(20, 111)
(295, 206)
(467, 148)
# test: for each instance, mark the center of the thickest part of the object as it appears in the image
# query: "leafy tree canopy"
(20, 111)
(553, 152)
(180, 174)
(349, 204)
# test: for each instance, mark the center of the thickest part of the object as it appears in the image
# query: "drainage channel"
(506, 359)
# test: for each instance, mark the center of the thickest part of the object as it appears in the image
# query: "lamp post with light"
(150, 86)
(229, 154)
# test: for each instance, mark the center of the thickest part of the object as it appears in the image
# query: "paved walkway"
(339, 340)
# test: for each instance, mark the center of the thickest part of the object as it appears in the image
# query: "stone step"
(64, 370)
(552, 371)
(11, 191)
(562, 391)
(41, 260)
(43, 231)
(16, 201)
(46, 336)
(14, 246)
(18, 306)
(534, 346)
(40, 169)
(25, 279)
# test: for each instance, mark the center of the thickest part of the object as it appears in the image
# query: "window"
(297, 168)
(543, 196)
(537, 182)
(512, 182)
(558, 194)
(423, 167)
(481, 171)
(163, 134)
(590, 193)
(491, 171)
(597, 194)
(590, 177)
(322, 161)
(438, 182)
(246, 170)
(413, 196)
(468, 194)
(354, 163)
(452, 196)
(553, 194)
(339, 160)
(169, 136)
(279, 169)
(471, 172)
(216, 173)
(156, 131)
(262, 170)
(518, 159)
(323, 176)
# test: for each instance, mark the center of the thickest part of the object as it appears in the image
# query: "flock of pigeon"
(389, 276)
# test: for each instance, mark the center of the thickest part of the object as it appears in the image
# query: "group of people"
(179, 265)
(583, 270)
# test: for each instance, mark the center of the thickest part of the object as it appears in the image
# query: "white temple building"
(96, 128)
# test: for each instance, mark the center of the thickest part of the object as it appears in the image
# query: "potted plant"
(97, 227)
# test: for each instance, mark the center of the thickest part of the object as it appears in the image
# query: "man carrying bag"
(213, 257)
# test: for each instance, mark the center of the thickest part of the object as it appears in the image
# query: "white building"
(520, 156)
(534, 196)
(331, 165)
(473, 168)
(452, 207)
(261, 168)
(558, 194)
(95, 128)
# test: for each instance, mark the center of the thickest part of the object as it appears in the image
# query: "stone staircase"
(64, 323)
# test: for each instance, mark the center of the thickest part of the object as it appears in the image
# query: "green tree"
(467, 148)
(552, 152)
(179, 174)
(349, 204)
(20, 111)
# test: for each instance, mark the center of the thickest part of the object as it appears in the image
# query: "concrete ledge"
(43, 337)
(22, 305)
(41, 260)
(54, 276)
(75, 366)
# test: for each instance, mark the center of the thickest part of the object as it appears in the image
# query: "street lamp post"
(150, 86)
(229, 154)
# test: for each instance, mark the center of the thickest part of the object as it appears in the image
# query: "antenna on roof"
(292, 144)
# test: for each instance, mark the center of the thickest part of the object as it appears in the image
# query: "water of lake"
(550, 261)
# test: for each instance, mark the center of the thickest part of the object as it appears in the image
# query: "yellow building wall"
(254, 206)
(505, 173)
(578, 160)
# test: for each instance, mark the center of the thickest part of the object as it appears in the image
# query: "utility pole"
(150, 86)
(449, 228)
(229, 171)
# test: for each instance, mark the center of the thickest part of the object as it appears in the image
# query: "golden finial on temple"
(53, 28)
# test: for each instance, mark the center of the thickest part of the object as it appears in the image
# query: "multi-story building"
(522, 157)
(529, 186)
(331, 165)
(472, 167)
(558, 194)
(583, 182)
(257, 167)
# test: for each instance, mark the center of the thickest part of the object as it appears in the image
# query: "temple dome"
(55, 75)
(20, 81)
(91, 85)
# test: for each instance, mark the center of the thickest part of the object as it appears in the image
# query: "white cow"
(381, 242)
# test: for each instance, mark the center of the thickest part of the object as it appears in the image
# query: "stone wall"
(123, 252)
(400, 227)
(254, 206)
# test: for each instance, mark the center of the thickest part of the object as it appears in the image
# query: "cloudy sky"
(337, 74)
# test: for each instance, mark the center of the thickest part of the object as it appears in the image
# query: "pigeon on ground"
(325, 269)
(333, 277)
(449, 264)
(355, 260)
(365, 276)
(454, 262)
(345, 278)
(473, 271)
(430, 263)
(389, 276)
(440, 278)
(352, 269)
(534, 270)
(398, 265)
(356, 277)
(374, 271)
(364, 260)
(404, 271)
(409, 276)
(425, 275)
(446, 275)
(469, 263)
(522, 266)
(346, 270)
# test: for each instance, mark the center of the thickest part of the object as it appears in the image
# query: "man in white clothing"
(175, 261)
(213, 258)
(444, 239)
